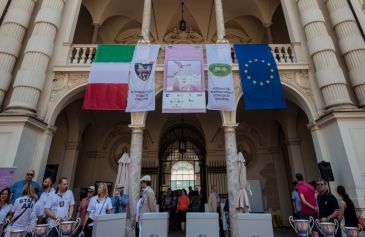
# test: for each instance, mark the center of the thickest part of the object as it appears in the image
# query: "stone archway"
(182, 145)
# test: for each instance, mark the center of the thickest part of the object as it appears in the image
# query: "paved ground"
(284, 232)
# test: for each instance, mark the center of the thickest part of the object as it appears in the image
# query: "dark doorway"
(182, 159)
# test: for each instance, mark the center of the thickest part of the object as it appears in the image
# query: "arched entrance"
(182, 158)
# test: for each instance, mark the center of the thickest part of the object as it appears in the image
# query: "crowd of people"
(26, 204)
(315, 200)
(178, 202)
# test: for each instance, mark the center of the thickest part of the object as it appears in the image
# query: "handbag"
(88, 229)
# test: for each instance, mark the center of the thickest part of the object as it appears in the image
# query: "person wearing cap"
(82, 210)
(120, 200)
(148, 201)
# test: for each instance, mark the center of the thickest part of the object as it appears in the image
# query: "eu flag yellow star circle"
(262, 64)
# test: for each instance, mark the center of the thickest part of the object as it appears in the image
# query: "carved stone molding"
(131, 36)
(63, 82)
(245, 129)
(298, 79)
(175, 36)
(235, 36)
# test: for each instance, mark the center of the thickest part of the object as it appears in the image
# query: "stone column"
(329, 75)
(232, 174)
(94, 37)
(3, 4)
(270, 38)
(12, 33)
(135, 165)
(352, 44)
(31, 76)
(295, 155)
(221, 32)
(146, 21)
(72, 149)
(40, 156)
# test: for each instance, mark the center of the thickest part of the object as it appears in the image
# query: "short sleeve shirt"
(41, 203)
(60, 204)
(23, 207)
(17, 189)
(309, 194)
(99, 206)
(295, 197)
(327, 204)
(4, 211)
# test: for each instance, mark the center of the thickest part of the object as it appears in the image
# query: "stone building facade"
(47, 47)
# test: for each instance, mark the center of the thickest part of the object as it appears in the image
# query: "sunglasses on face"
(29, 174)
(90, 191)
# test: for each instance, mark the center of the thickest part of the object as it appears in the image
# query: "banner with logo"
(141, 90)
(184, 81)
(260, 77)
(220, 82)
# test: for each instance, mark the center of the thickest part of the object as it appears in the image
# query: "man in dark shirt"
(327, 203)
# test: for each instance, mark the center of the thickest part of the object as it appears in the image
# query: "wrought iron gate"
(182, 145)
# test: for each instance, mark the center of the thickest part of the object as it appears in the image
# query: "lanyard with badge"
(97, 200)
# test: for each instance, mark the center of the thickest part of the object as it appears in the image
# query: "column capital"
(230, 127)
(267, 24)
(137, 128)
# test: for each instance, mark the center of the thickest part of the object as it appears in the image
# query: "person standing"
(5, 205)
(39, 208)
(59, 206)
(17, 188)
(307, 195)
(347, 208)
(99, 205)
(120, 201)
(214, 205)
(182, 208)
(82, 210)
(148, 203)
(296, 200)
(138, 206)
(20, 215)
(327, 204)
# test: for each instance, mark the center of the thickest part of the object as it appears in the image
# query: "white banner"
(184, 87)
(141, 90)
(220, 82)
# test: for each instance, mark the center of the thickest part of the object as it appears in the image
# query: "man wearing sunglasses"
(17, 188)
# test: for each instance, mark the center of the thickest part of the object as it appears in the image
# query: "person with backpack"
(20, 216)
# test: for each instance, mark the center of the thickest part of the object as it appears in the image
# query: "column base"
(24, 142)
(342, 135)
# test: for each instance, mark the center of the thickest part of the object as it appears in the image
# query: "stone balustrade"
(83, 54)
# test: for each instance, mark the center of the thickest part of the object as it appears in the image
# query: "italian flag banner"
(107, 88)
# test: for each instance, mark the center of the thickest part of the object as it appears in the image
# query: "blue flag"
(260, 77)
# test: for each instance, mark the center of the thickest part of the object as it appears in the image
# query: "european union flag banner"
(260, 77)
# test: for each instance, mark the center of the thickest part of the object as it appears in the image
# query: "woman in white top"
(100, 204)
(20, 215)
(5, 206)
